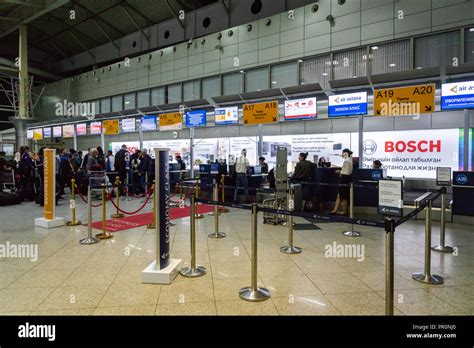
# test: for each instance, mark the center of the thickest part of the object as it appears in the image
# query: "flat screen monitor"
(257, 170)
(327, 165)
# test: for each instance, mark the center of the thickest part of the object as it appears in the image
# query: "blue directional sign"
(458, 95)
(347, 104)
(196, 118)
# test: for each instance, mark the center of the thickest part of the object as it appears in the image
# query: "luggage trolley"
(7, 181)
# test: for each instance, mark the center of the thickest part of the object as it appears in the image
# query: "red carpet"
(125, 223)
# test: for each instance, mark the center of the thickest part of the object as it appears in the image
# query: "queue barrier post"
(426, 276)
(442, 229)
(73, 221)
(389, 265)
(197, 215)
(152, 225)
(215, 197)
(253, 293)
(89, 239)
(193, 271)
(351, 232)
(104, 234)
(290, 248)
(223, 209)
(117, 214)
(216, 214)
(127, 193)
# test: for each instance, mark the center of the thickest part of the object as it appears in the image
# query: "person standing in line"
(346, 178)
(110, 162)
(241, 166)
(121, 166)
(144, 167)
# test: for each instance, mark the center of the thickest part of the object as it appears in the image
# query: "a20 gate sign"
(413, 100)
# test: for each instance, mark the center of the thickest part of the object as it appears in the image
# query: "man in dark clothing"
(144, 170)
(121, 166)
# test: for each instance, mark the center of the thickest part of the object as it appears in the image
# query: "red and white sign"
(96, 128)
(414, 153)
(81, 129)
(299, 109)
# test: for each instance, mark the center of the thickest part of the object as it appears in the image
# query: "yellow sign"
(261, 113)
(413, 100)
(38, 134)
(49, 184)
(171, 121)
(110, 127)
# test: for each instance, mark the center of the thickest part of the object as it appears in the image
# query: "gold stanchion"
(153, 225)
(117, 214)
(223, 209)
(104, 234)
(197, 215)
(73, 221)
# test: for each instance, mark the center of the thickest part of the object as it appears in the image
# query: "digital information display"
(57, 132)
(47, 132)
(347, 104)
(128, 125)
(459, 95)
(228, 115)
(81, 129)
(196, 118)
(96, 128)
(68, 131)
(300, 109)
(149, 123)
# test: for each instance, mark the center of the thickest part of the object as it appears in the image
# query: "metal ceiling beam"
(134, 21)
(105, 33)
(43, 11)
(175, 15)
(22, 3)
(51, 37)
(81, 44)
(11, 19)
(97, 15)
(71, 28)
(147, 20)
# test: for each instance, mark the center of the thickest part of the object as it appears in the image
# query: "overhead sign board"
(128, 125)
(171, 121)
(81, 129)
(260, 113)
(96, 127)
(347, 104)
(458, 95)
(390, 197)
(111, 127)
(400, 101)
(47, 132)
(196, 118)
(228, 115)
(149, 123)
(57, 132)
(68, 131)
(300, 109)
(443, 176)
(38, 134)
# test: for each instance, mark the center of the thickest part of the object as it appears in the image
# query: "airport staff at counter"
(346, 178)
(241, 166)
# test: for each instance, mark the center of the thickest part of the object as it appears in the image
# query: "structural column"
(23, 108)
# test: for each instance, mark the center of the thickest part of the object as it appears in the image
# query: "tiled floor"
(73, 279)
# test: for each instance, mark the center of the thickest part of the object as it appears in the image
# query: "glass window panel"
(96, 107)
(256, 80)
(158, 96)
(232, 84)
(437, 50)
(350, 64)
(143, 99)
(390, 57)
(211, 87)
(284, 75)
(117, 103)
(469, 45)
(129, 101)
(192, 90)
(316, 70)
(105, 105)
(174, 93)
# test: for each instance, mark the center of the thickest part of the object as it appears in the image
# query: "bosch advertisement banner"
(300, 109)
(413, 154)
(162, 199)
(347, 104)
(458, 95)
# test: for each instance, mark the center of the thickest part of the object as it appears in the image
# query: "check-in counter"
(463, 193)
(367, 195)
